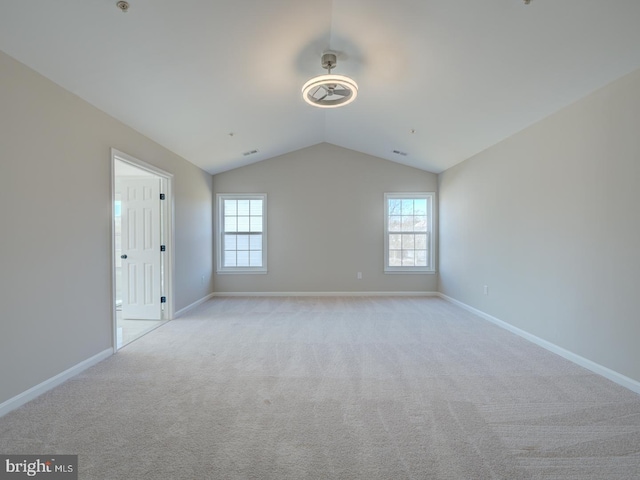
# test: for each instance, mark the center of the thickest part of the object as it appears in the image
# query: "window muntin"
(242, 233)
(408, 233)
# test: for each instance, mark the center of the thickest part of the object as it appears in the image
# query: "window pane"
(243, 242)
(395, 224)
(407, 242)
(408, 258)
(243, 259)
(420, 223)
(230, 207)
(256, 207)
(255, 259)
(230, 224)
(229, 242)
(243, 207)
(255, 224)
(408, 231)
(420, 206)
(241, 238)
(407, 207)
(243, 224)
(255, 242)
(395, 258)
(230, 259)
(395, 207)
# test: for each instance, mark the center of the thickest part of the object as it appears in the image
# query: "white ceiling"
(464, 74)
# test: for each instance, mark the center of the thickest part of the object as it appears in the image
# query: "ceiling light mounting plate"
(122, 5)
(329, 60)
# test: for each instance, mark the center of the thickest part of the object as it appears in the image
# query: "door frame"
(167, 235)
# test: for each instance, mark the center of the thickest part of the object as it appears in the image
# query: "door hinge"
(162, 197)
(163, 299)
(163, 248)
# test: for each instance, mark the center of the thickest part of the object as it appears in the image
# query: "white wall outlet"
(486, 289)
(359, 275)
(202, 280)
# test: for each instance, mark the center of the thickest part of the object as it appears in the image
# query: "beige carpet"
(334, 388)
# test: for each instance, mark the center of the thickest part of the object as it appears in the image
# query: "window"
(408, 239)
(242, 233)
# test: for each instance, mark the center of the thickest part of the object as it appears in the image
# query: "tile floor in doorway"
(129, 330)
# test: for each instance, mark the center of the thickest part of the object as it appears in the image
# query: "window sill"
(241, 272)
(410, 272)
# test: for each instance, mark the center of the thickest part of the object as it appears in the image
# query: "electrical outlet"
(359, 276)
(202, 280)
(486, 289)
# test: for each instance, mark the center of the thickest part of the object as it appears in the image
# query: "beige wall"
(325, 221)
(55, 250)
(549, 220)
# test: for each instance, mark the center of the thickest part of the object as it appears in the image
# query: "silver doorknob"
(123, 256)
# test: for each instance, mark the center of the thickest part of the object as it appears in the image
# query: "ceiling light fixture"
(329, 90)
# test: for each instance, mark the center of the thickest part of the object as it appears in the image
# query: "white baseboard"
(325, 294)
(612, 375)
(52, 382)
(184, 310)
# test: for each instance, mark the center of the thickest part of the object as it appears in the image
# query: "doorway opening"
(142, 217)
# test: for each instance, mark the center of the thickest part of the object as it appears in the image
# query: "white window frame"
(430, 268)
(220, 198)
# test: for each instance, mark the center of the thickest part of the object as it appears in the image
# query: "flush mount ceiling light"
(329, 90)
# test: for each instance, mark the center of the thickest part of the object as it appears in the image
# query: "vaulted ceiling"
(439, 80)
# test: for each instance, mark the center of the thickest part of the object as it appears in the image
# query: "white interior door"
(141, 271)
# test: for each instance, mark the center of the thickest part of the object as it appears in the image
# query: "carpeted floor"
(334, 388)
